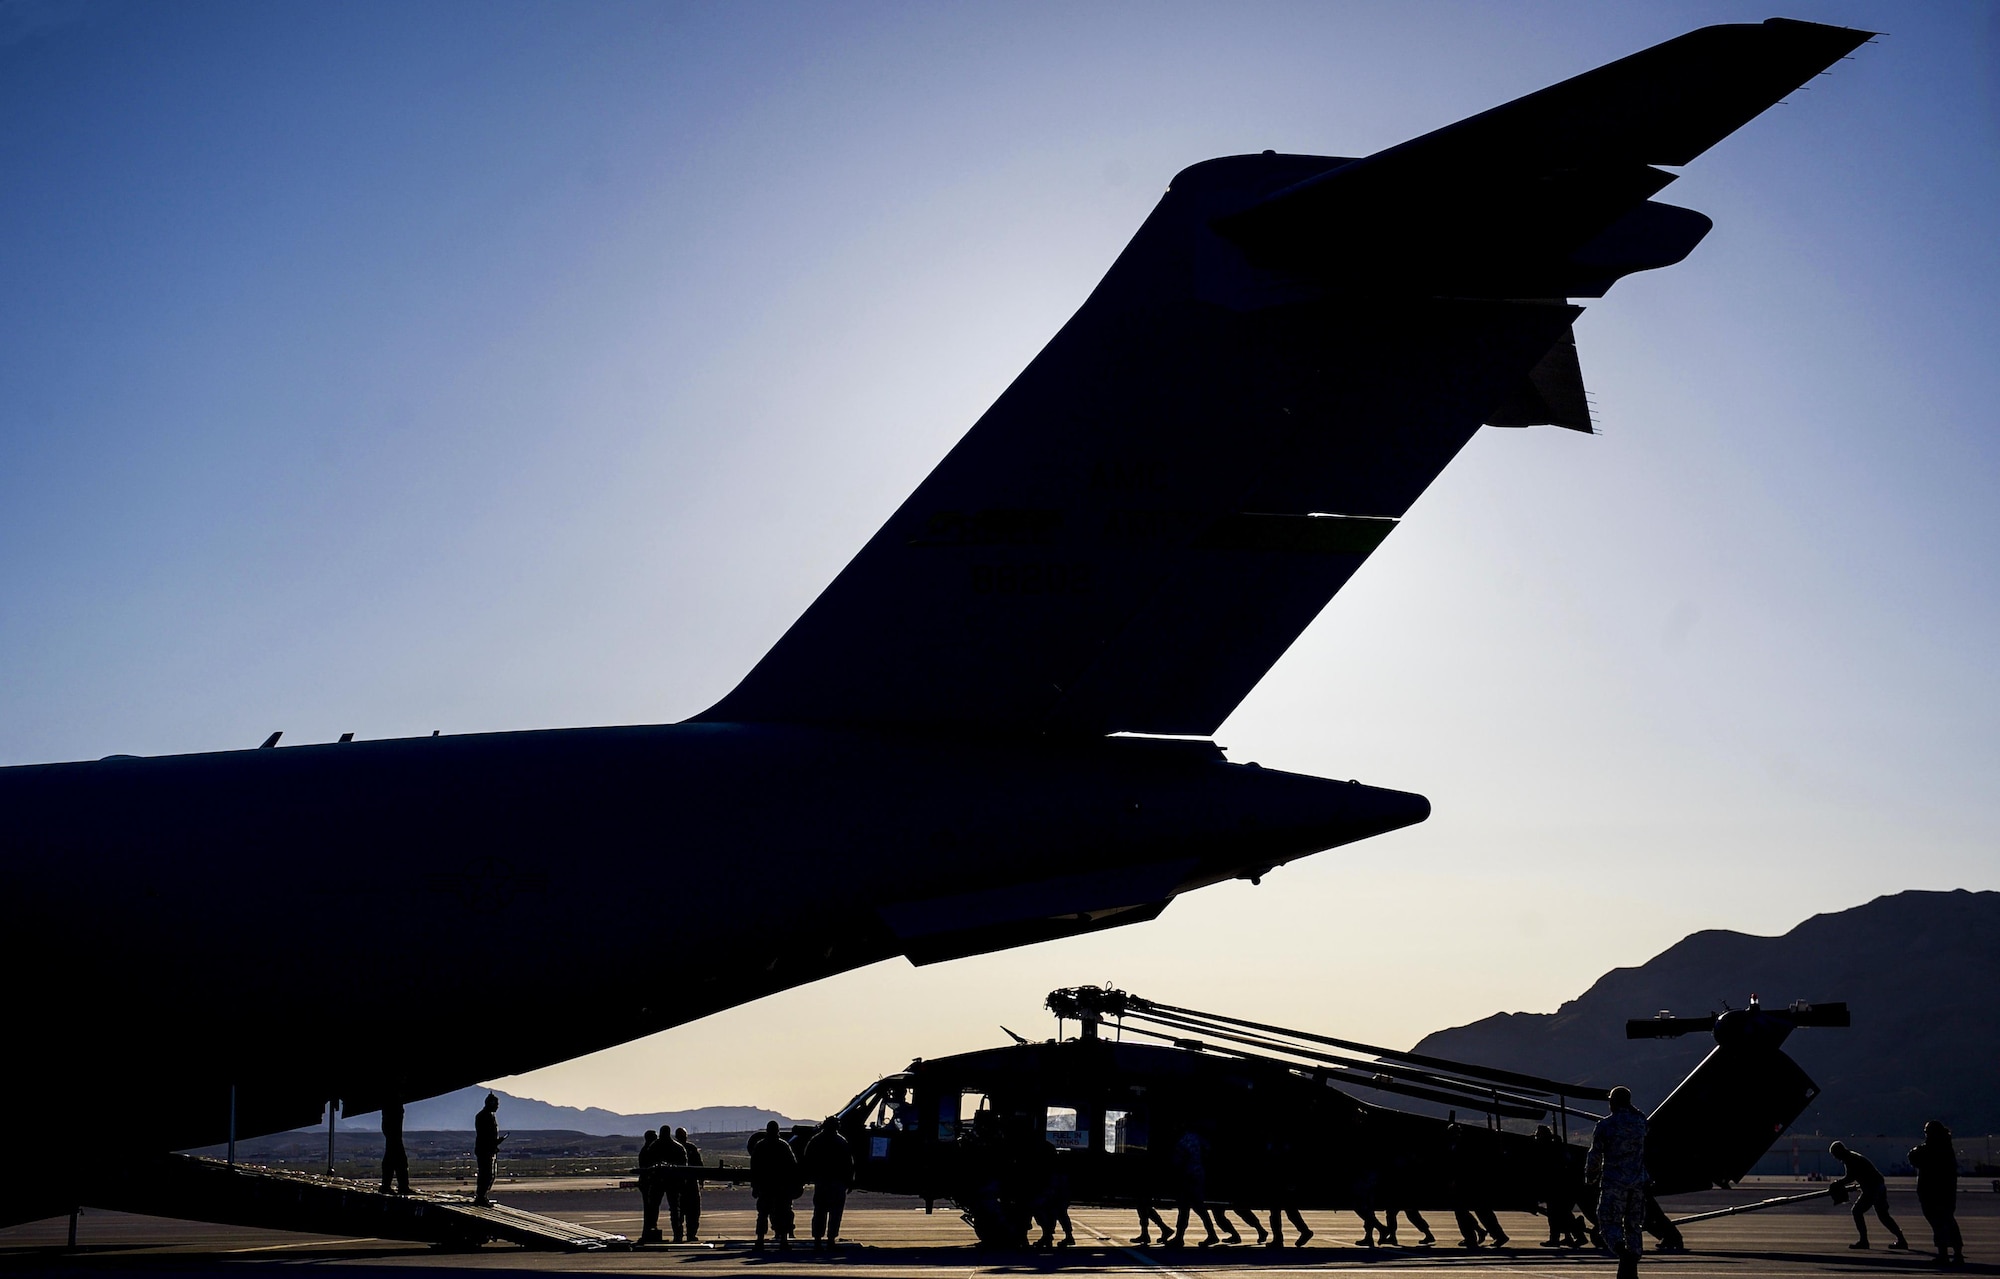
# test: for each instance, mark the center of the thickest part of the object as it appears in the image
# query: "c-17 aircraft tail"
(937, 759)
(1288, 352)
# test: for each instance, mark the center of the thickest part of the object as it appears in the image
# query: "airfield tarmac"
(892, 1238)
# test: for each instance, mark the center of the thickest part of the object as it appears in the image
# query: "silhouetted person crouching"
(1870, 1192)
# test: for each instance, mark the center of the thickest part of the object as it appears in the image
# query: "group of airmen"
(486, 1139)
(1011, 1182)
(1936, 1163)
(658, 1153)
(780, 1168)
(1010, 1179)
(1618, 1163)
(1574, 1206)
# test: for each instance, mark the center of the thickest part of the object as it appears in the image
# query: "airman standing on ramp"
(486, 1141)
(395, 1161)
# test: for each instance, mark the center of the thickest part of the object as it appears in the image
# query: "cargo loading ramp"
(202, 1189)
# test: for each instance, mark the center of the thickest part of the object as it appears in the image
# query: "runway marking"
(1261, 1271)
(304, 1243)
(1136, 1255)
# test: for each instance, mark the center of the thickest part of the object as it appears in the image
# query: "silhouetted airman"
(774, 1175)
(1873, 1192)
(981, 1158)
(690, 1189)
(1149, 1216)
(650, 1186)
(829, 1166)
(395, 1160)
(1617, 1165)
(1662, 1228)
(668, 1154)
(1191, 1187)
(1416, 1219)
(1370, 1157)
(1470, 1173)
(1051, 1195)
(1555, 1188)
(486, 1141)
(1936, 1162)
(1283, 1159)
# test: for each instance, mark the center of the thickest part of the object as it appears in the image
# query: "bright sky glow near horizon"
(383, 368)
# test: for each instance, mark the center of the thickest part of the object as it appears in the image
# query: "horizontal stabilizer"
(1548, 195)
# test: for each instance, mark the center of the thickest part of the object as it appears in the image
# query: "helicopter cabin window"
(1063, 1129)
(970, 1103)
(1124, 1132)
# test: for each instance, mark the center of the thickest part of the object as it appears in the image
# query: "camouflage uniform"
(1617, 1162)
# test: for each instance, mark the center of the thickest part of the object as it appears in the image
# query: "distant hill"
(1920, 970)
(454, 1111)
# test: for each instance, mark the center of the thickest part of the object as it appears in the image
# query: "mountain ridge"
(1919, 970)
(453, 1112)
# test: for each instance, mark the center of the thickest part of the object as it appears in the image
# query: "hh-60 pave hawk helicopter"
(990, 1131)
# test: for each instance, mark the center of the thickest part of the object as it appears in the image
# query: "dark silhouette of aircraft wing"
(1287, 353)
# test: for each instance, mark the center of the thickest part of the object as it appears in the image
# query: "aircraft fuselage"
(588, 886)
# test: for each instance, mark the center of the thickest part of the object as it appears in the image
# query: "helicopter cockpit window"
(1124, 1132)
(892, 1110)
(1064, 1130)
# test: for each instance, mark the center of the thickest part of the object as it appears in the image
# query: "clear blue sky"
(390, 367)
